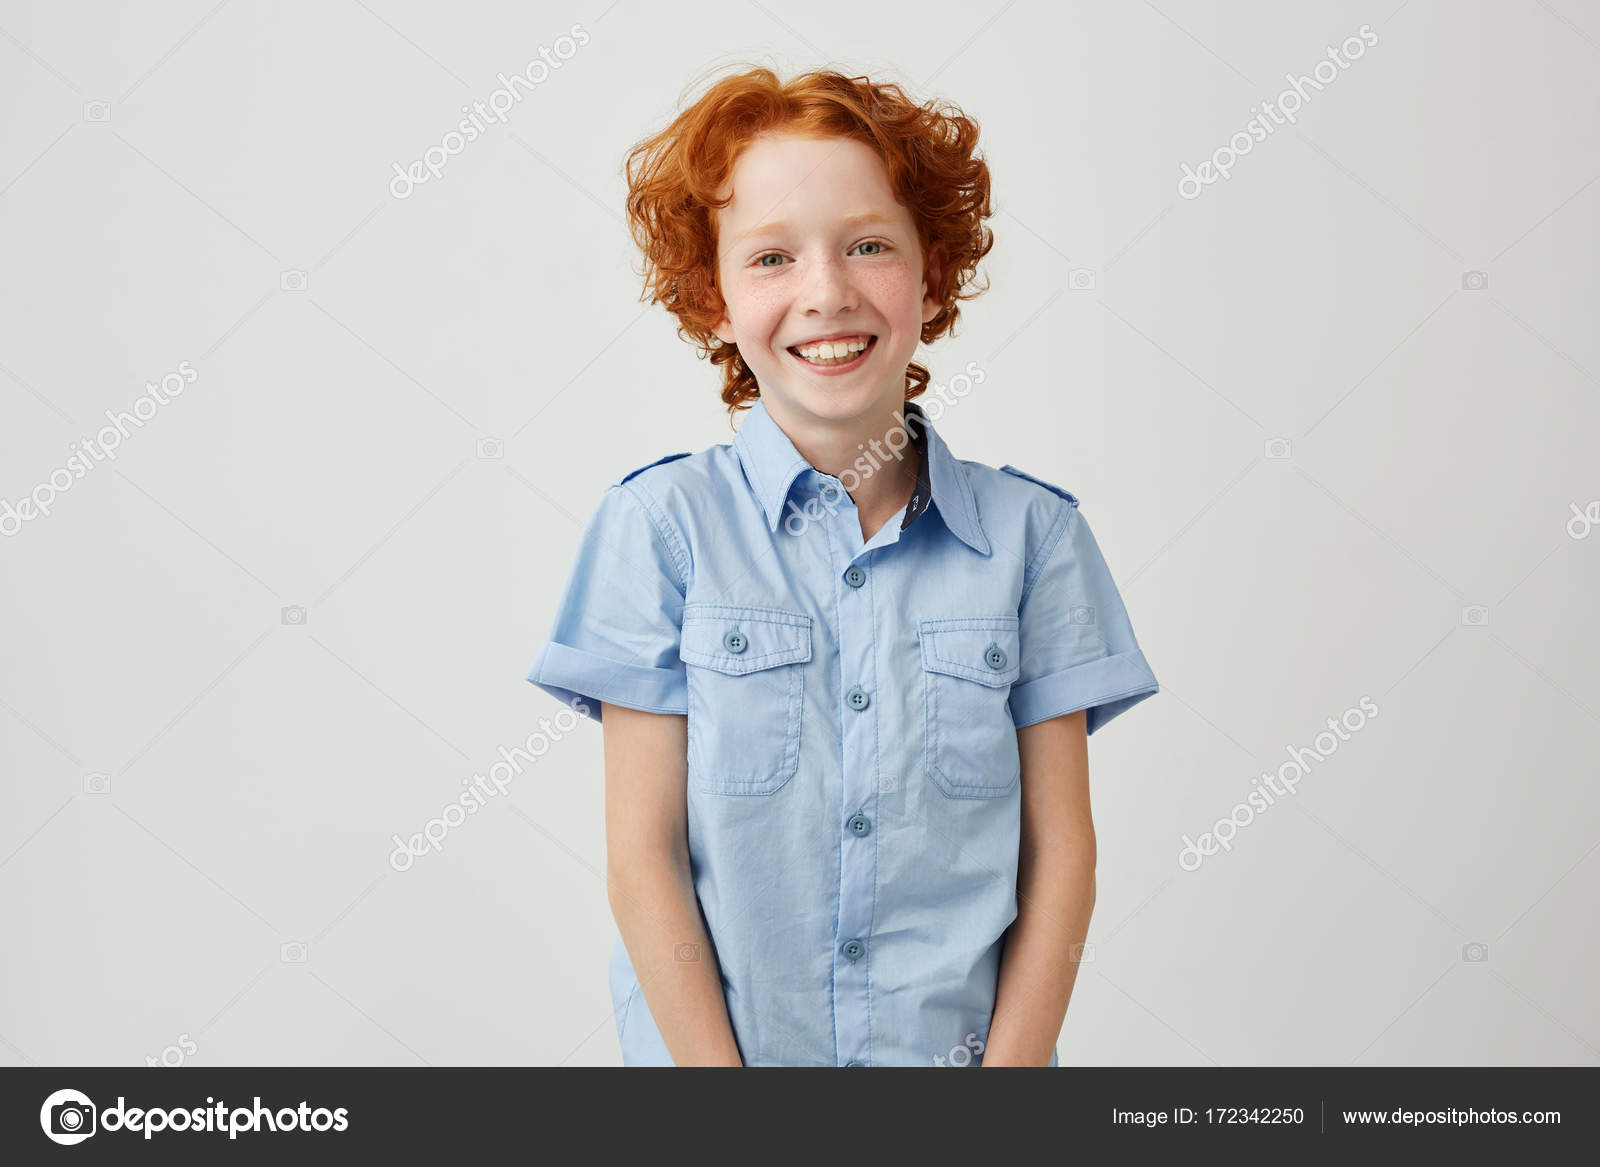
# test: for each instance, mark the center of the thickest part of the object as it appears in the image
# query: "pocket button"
(735, 642)
(996, 656)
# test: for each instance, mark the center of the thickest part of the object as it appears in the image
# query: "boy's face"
(814, 245)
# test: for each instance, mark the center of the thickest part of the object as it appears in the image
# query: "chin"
(835, 399)
(847, 403)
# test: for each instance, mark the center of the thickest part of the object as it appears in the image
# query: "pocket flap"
(985, 649)
(736, 639)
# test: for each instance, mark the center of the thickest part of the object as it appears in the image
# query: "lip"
(830, 336)
(835, 370)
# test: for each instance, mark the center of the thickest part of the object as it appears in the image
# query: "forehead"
(776, 174)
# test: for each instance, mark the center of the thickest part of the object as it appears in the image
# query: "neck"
(874, 456)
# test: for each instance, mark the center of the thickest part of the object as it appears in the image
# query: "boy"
(845, 679)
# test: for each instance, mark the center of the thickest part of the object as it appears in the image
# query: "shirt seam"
(1041, 558)
(664, 530)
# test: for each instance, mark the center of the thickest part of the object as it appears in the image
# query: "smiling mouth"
(834, 354)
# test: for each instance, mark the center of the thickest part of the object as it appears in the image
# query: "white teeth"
(834, 349)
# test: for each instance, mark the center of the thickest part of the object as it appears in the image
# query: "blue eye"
(761, 260)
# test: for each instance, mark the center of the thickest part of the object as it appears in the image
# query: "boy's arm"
(650, 888)
(1055, 894)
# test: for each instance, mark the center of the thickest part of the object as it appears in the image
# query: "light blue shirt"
(854, 803)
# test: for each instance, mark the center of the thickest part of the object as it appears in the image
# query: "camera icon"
(491, 448)
(72, 1118)
(1474, 281)
(1081, 279)
(686, 953)
(292, 952)
(97, 783)
(886, 784)
(1475, 953)
(1277, 448)
(1081, 953)
(97, 111)
(293, 280)
(294, 614)
(1475, 615)
(1082, 614)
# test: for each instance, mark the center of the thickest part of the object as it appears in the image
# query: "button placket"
(855, 603)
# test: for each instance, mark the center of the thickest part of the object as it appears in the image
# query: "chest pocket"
(746, 676)
(968, 668)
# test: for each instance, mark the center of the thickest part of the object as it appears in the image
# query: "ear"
(724, 326)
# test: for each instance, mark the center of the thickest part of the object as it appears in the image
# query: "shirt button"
(851, 1065)
(860, 825)
(855, 577)
(852, 949)
(996, 656)
(734, 642)
(857, 699)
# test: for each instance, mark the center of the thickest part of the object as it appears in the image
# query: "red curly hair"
(930, 151)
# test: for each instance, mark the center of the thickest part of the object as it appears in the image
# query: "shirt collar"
(771, 465)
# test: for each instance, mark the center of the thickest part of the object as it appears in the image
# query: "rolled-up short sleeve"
(617, 626)
(1078, 647)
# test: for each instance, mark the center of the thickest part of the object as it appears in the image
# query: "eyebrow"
(778, 225)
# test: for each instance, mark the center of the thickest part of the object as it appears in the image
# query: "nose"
(827, 289)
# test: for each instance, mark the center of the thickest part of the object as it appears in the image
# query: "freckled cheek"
(756, 311)
(763, 310)
(893, 291)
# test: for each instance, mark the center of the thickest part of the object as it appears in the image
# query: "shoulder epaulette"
(646, 466)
